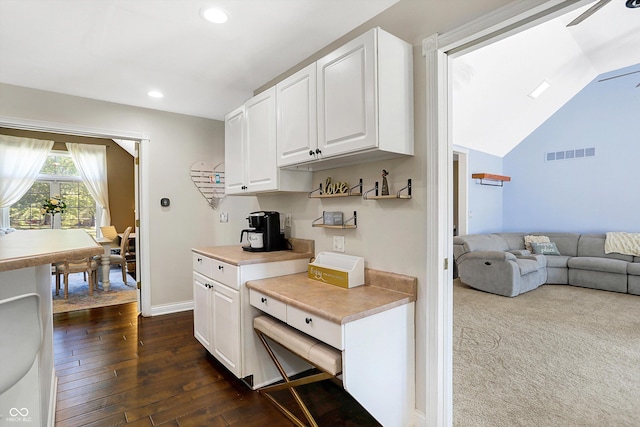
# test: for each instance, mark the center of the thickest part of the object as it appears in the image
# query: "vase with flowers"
(52, 206)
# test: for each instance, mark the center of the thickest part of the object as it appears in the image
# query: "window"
(58, 176)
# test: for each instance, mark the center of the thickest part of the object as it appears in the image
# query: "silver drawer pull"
(308, 320)
(263, 300)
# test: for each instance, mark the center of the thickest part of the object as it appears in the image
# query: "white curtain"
(20, 162)
(91, 161)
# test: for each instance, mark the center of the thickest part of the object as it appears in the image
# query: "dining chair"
(86, 265)
(121, 258)
(110, 232)
(21, 342)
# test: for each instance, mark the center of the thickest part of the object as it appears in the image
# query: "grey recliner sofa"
(499, 263)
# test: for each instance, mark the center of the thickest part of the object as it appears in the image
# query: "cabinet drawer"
(224, 273)
(269, 305)
(317, 327)
(219, 271)
(202, 264)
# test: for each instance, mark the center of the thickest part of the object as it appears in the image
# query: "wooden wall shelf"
(318, 223)
(491, 177)
(397, 195)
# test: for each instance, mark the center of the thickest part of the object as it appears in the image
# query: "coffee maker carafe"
(264, 234)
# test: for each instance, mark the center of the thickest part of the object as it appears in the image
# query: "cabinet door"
(202, 310)
(260, 138)
(226, 327)
(297, 136)
(347, 97)
(234, 152)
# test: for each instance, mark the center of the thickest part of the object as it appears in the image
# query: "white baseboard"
(419, 418)
(158, 310)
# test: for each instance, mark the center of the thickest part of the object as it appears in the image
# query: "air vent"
(579, 153)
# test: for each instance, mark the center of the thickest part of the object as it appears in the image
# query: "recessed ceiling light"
(215, 15)
(539, 89)
(155, 94)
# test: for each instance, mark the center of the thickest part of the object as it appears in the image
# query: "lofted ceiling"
(119, 50)
(491, 108)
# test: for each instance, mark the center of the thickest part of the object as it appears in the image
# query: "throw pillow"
(549, 248)
(537, 239)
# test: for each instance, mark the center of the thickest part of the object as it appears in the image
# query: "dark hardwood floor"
(117, 368)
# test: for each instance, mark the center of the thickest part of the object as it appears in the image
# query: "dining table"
(105, 260)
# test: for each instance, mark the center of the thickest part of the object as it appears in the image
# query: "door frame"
(438, 51)
(463, 189)
(141, 192)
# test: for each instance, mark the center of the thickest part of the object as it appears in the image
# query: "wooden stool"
(324, 357)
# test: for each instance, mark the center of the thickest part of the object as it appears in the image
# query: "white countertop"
(27, 248)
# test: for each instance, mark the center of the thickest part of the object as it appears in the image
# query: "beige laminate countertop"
(382, 291)
(28, 248)
(235, 255)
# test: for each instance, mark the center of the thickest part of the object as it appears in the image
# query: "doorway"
(124, 182)
(439, 51)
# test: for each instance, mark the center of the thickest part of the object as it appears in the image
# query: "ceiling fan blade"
(619, 75)
(593, 9)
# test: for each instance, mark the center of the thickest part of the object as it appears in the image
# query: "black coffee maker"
(264, 234)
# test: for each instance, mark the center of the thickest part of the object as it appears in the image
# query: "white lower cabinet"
(202, 310)
(216, 320)
(377, 354)
(226, 326)
(223, 317)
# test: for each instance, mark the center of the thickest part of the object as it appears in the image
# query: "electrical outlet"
(338, 244)
(287, 220)
(224, 216)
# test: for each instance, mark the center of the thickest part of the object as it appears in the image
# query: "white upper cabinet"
(296, 122)
(346, 97)
(251, 152)
(260, 134)
(234, 151)
(364, 102)
(354, 105)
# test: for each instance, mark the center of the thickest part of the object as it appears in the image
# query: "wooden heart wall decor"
(209, 180)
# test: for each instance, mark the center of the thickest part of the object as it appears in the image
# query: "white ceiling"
(492, 112)
(118, 50)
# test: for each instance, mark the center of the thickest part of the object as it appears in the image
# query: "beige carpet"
(79, 298)
(555, 356)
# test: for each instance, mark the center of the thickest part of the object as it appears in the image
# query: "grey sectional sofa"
(499, 263)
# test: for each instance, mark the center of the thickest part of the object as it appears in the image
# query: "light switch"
(338, 243)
